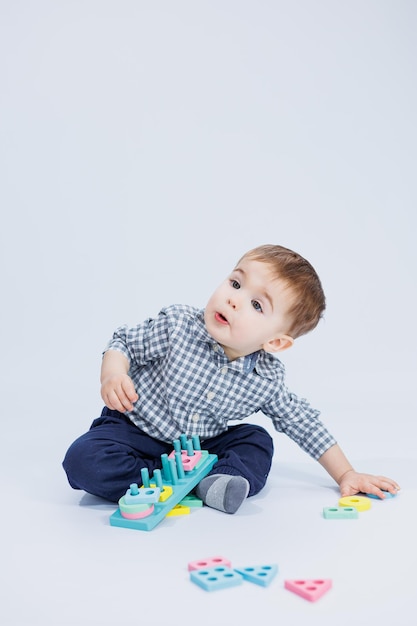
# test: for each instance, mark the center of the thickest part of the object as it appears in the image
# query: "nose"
(232, 302)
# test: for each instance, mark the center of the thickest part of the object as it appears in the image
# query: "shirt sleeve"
(296, 418)
(145, 342)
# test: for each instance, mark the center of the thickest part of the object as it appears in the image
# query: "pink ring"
(138, 515)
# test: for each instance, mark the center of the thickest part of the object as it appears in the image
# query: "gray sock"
(223, 492)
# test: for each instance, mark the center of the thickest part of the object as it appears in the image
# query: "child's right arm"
(117, 388)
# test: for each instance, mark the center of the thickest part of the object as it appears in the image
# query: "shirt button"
(210, 395)
(215, 347)
(223, 370)
(195, 417)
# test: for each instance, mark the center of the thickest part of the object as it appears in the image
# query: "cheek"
(215, 295)
(248, 330)
(211, 300)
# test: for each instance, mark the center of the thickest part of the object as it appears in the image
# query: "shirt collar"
(200, 330)
(268, 366)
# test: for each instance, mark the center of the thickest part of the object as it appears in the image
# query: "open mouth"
(220, 318)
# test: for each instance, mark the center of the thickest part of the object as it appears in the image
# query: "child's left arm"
(351, 482)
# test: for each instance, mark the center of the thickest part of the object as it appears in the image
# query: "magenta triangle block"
(310, 590)
(260, 574)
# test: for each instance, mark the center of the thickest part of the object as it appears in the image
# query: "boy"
(192, 371)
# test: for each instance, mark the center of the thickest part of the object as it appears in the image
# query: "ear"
(279, 344)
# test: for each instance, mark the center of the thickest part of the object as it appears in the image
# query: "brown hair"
(301, 278)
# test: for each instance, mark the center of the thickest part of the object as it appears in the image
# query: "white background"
(144, 147)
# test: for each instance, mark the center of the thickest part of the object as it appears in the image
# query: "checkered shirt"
(186, 383)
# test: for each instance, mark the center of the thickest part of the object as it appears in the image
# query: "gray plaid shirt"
(186, 384)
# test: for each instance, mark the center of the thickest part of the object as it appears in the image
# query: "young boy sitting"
(193, 371)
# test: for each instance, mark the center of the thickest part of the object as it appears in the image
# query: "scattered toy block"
(213, 561)
(340, 512)
(387, 495)
(177, 484)
(179, 509)
(214, 578)
(310, 590)
(360, 503)
(260, 575)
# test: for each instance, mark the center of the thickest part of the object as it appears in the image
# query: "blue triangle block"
(260, 574)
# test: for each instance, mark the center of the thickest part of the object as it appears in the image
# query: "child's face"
(248, 311)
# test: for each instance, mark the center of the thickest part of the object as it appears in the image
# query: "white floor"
(145, 146)
(63, 564)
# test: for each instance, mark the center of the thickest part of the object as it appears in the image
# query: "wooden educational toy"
(143, 508)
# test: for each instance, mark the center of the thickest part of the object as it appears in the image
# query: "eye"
(256, 305)
(235, 284)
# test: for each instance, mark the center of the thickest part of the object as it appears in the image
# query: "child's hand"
(353, 482)
(118, 392)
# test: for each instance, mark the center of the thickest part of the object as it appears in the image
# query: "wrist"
(339, 480)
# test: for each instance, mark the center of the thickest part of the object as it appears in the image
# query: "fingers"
(381, 485)
(117, 401)
(119, 394)
(345, 492)
(366, 483)
(376, 491)
(129, 390)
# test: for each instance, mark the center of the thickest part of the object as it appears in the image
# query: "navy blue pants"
(108, 458)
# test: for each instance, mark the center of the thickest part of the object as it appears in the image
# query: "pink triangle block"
(311, 590)
(213, 561)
